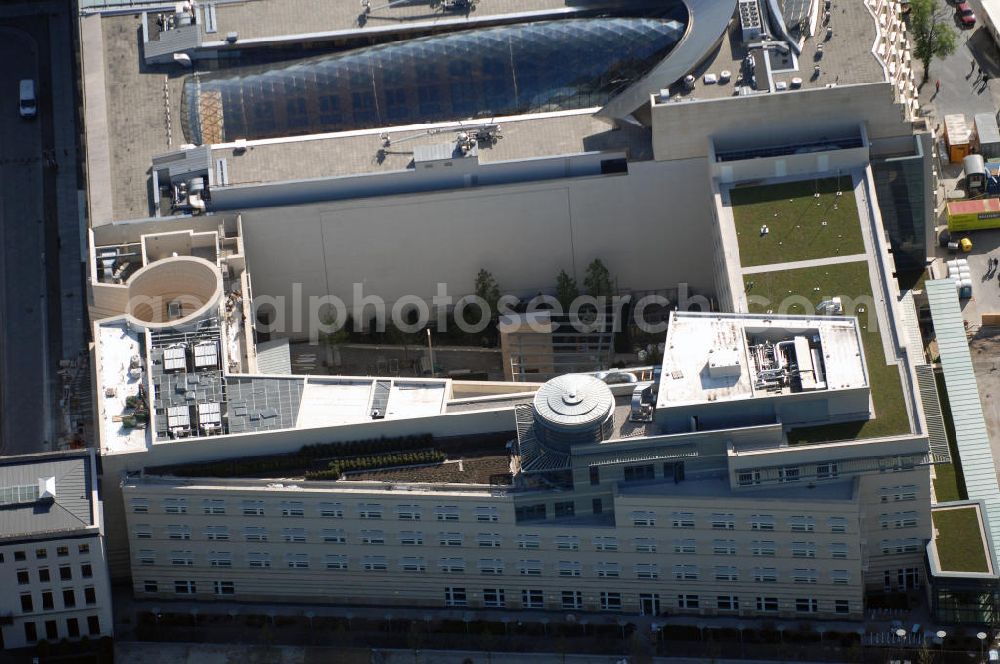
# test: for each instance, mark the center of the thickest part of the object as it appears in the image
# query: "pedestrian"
(937, 86)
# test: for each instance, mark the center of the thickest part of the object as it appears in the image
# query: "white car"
(27, 104)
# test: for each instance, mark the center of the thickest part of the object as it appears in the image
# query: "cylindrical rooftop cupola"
(573, 409)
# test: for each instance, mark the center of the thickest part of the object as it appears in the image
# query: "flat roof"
(697, 341)
(959, 540)
(118, 344)
(47, 494)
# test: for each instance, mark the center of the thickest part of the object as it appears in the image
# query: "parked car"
(27, 105)
(966, 17)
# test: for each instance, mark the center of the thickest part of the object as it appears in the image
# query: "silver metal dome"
(574, 408)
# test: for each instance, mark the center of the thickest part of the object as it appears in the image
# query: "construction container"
(957, 137)
(987, 141)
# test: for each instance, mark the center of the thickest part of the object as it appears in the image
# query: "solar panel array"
(262, 404)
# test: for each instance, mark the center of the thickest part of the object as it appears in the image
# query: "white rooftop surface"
(694, 340)
(332, 401)
(118, 345)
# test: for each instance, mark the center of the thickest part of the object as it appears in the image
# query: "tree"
(488, 290)
(933, 35)
(566, 289)
(598, 279)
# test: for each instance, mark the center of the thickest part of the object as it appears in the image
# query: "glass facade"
(900, 185)
(506, 70)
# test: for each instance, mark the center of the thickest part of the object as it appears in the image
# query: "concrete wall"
(641, 225)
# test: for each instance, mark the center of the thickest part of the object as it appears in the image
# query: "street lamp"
(901, 633)
(941, 634)
(982, 643)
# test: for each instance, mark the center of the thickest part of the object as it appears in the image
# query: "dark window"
(395, 104)
(51, 630)
(639, 473)
(296, 113)
(598, 505)
(86, 571)
(93, 625)
(30, 632)
(84, 548)
(841, 606)
(565, 508)
(595, 475)
(19, 555)
(66, 573)
(530, 512)
(69, 598)
(609, 166)
(26, 604)
(22, 577)
(73, 628)
(89, 596)
(149, 586)
(329, 110)
(47, 603)
(62, 551)
(41, 554)
(43, 575)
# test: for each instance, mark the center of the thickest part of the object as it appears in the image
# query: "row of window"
(45, 575)
(295, 509)
(69, 599)
(826, 470)
(42, 553)
(53, 634)
(729, 521)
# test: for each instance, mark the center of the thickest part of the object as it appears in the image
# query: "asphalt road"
(26, 209)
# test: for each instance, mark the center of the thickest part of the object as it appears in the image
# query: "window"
(565, 508)
(646, 570)
(803, 549)
(179, 532)
(73, 628)
(838, 550)
(336, 561)
(841, 606)
(450, 539)
(840, 577)
(911, 545)
(611, 601)
(94, 623)
(487, 514)
(639, 473)
(725, 573)
(567, 542)
(572, 600)
(297, 535)
(607, 570)
(69, 598)
(727, 603)
(569, 568)
(19, 555)
(30, 632)
(895, 494)
(26, 603)
(685, 546)
(259, 560)
(41, 554)
(213, 506)
(455, 596)
(82, 549)
(293, 508)
(801, 524)
(597, 506)
(62, 551)
(837, 524)
(898, 520)
(139, 505)
(369, 511)
(43, 575)
(802, 575)
(146, 557)
(331, 510)
(761, 522)
(605, 543)
(595, 475)
(765, 574)
(253, 508)
(183, 558)
(65, 573)
(529, 567)
(528, 541)
(374, 564)
(644, 545)
(446, 513)
(150, 587)
(255, 533)
(687, 602)
(788, 474)
(643, 519)
(723, 522)
(532, 599)
(682, 520)
(217, 533)
(806, 605)
(908, 578)
(175, 505)
(493, 598)
(47, 602)
(490, 566)
(297, 560)
(22, 576)
(51, 630)
(411, 538)
(722, 547)
(412, 564)
(767, 604)
(143, 531)
(452, 565)
(534, 512)
(220, 559)
(225, 587)
(748, 477)
(334, 536)
(826, 471)
(408, 512)
(686, 572)
(488, 540)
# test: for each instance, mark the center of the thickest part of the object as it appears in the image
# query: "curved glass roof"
(506, 70)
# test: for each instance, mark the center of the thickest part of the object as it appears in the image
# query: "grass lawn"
(949, 483)
(848, 280)
(794, 217)
(959, 540)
